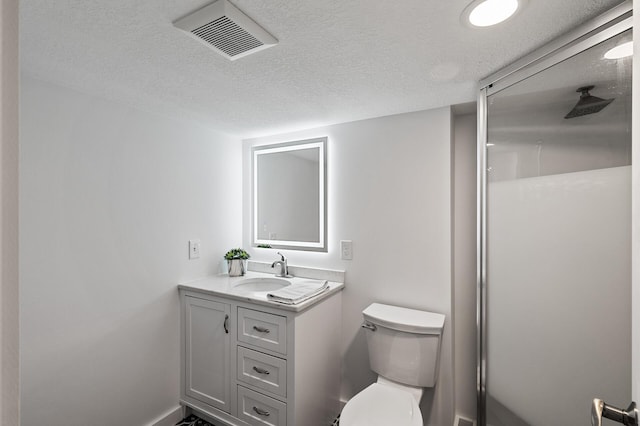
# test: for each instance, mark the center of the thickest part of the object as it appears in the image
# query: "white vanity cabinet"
(247, 363)
(207, 344)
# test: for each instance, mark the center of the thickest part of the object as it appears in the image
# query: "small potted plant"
(236, 261)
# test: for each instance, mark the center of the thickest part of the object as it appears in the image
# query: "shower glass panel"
(558, 241)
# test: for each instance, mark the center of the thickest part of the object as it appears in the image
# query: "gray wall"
(9, 355)
(465, 270)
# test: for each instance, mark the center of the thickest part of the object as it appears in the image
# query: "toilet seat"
(381, 405)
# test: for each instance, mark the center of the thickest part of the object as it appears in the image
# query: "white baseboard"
(170, 418)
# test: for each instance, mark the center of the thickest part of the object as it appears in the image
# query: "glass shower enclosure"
(555, 230)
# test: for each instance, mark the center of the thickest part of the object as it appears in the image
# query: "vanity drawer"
(261, 410)
(261, 329)
(263, 371)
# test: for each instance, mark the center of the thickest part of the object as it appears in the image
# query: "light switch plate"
(346, 249)
(194, 249)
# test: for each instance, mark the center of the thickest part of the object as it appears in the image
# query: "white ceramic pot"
(236, 267)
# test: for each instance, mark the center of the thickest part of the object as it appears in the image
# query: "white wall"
(465, 269)
(389, 183)
(109, 198)
(9, 345)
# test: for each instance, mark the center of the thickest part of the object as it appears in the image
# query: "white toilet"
(404, 349)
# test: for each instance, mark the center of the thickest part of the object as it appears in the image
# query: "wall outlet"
(346, 249)
(194, 249)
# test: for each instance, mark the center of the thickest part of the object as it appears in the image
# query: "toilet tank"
(403, 343)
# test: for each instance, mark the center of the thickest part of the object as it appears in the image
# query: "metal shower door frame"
(603, 27)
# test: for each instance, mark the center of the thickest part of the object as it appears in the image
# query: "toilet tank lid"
(404, 319)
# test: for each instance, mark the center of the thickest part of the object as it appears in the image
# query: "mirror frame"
(256, 151)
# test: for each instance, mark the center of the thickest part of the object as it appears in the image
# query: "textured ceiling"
(336, 60)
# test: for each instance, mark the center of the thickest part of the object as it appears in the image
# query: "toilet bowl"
(382, 405)
(404, 349)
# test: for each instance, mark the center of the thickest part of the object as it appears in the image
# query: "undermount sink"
(261, 284)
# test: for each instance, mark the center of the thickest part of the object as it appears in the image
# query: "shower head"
(587, 104)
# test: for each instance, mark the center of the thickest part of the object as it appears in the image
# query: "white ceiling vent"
(227, 30)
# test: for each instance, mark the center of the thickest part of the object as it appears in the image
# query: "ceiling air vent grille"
(227, 36)
(227, 30)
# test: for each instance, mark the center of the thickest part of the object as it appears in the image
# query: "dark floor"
(193, 420)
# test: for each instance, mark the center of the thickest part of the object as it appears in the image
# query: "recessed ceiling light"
(621, 51)
(485, 13)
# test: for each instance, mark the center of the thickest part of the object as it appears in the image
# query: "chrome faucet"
(284, 269)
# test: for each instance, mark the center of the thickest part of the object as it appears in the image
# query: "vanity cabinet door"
(207, 369)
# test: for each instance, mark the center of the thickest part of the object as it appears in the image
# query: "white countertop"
(224, 286)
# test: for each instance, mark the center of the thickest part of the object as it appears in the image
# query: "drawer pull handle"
(261, 412)
(226, 324)
(260, 370)
(261, 329)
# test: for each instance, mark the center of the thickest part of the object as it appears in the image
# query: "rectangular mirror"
(289, 195)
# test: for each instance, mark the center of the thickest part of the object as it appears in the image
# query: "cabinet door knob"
(260, 370)
(226, 324)
(261, 329)
(261, 412)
